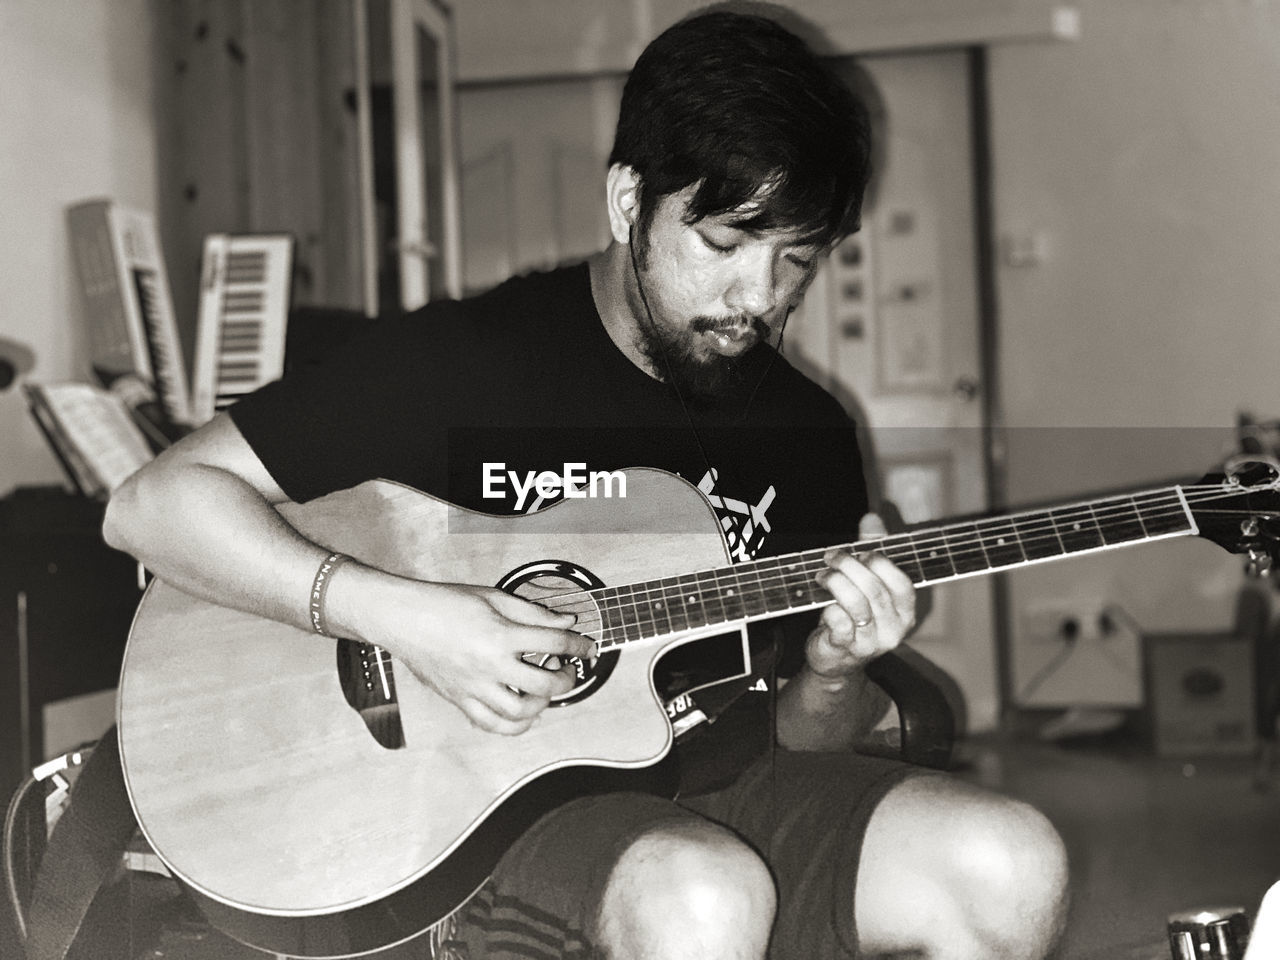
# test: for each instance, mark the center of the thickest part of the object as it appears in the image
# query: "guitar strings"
(783, 570)
(1028, 533)
(1041, 527)
(786, 575)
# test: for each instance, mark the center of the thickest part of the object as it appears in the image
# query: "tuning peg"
(1239, 465)
(1258, 564)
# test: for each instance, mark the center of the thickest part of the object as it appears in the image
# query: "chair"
(926, 718)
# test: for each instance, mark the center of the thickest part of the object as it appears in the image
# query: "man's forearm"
(824, 713)
(212, 535)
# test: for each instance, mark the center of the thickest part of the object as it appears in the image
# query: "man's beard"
(706, 377)
(674, 353)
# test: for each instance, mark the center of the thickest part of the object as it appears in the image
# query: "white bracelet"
(320, 586)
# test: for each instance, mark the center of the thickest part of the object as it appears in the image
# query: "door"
(891, 326)
(533, 172)
(411, 217)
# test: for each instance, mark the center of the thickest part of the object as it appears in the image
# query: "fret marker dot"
(933, 553)
(728, 593)
(657, 605)
(692, 599)
(1075, 526)
(1000, 541)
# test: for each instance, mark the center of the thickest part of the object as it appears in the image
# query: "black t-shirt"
(466, 400)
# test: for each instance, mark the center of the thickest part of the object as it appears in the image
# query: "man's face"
(714, 290)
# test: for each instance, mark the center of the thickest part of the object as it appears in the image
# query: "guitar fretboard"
(766, 588)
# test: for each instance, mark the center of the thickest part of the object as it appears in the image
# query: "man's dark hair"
(743, 108)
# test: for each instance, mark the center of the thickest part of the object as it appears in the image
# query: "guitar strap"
(84, 852)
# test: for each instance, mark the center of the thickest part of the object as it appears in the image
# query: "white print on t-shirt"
(744, 525)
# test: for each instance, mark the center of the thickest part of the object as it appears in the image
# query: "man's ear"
(622, 198)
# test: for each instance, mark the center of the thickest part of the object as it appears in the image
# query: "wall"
(533, 193)
(521, 39)
(75, 108)
(1144, 154)
(1144, 158)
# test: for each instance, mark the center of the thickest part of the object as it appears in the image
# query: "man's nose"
(753, 291)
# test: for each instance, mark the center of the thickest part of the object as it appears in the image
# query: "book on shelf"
(91, 431)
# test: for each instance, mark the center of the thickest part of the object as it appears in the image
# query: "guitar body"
(266, 793)
(315, 808)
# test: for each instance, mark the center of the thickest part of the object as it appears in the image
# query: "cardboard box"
(1200, 691)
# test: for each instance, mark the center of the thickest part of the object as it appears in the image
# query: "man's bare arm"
(202, 517)
(822, 713)
(831, 703)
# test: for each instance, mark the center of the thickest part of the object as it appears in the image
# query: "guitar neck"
(760, 589)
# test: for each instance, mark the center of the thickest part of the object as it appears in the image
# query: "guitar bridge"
(366, 674)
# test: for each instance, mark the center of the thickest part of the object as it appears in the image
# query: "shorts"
(804, 813)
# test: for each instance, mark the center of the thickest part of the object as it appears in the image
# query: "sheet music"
(99, 428)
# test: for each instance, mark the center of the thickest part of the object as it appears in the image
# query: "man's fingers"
(541, 681)
(485, 717)
(562, 643)
(545, 631)
(849, 599)
(840, 626)
(877, 600)
(871, 526)
(901, 590)
(534, 614)
(513, 703)
(886, 589)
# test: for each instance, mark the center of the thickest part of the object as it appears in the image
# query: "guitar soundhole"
(368, 683)
(562, 586)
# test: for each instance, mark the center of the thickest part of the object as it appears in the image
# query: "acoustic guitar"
(318, 800)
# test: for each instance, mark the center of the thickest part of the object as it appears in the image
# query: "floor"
(1146, 836)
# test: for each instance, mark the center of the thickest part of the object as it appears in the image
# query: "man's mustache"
(714, 324)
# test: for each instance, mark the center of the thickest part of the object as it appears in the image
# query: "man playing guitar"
(739, 162)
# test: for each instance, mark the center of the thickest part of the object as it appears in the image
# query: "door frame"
(414, 247)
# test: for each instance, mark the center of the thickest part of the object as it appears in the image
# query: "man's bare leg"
(953, 872)
(688, 891)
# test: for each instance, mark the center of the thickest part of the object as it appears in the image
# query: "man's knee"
(958, 871)
(687, 878)
(1011, 862)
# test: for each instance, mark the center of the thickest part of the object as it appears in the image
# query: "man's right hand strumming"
(465, 642)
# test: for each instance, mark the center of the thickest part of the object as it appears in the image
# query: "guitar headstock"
(1239, 509)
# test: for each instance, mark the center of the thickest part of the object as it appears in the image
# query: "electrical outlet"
(1100, 665)
(1058, 620)
(1088, 618)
